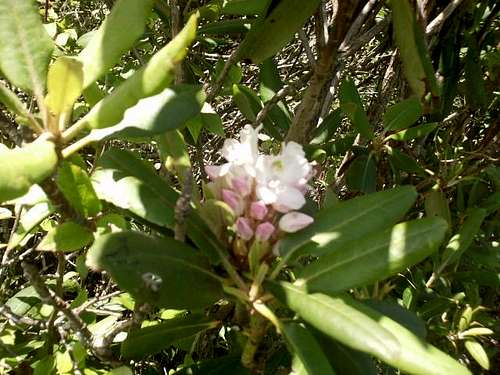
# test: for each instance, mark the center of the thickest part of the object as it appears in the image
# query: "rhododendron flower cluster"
(263, 191)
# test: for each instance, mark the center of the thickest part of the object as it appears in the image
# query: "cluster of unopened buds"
(263, 191)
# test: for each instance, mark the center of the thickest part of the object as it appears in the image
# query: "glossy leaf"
(414, 132)
(66, 237)
(306, 350)
(276, 29)
(402, 115)
(374, 257)
(24, 167)
(362, 174)
(74, 183)
(405, 162)
(156, 114)
(477, 352)
(362, 328)
(153, 339)
(348, 221)
(233, 8)
(160, 271)
(124, 180)
(150, 80)
(351, 105)
(117, 34)
(339, 318)
(64, 84)
(25, 46)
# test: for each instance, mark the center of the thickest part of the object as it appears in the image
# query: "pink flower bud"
(234, 201)
(244, 229)
(264, 231)
(242, 185)
(294, 221)
(213, 171)
(258, 210)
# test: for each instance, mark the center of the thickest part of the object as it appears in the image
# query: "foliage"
(129, 247)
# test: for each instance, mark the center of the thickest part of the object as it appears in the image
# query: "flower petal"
(294, 221)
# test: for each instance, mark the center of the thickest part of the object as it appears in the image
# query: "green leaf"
(227, 27)
(25, 46)
(215, 8)
(150, 80)
(339, 318)
(168, 110)
(230, 364)
(160, 271)
(405, 162)
(414, 132)
(29, 220)
(436, 204)
(123, 179)
(461, 241)
(475, 90)
(348, 221)
(362, 328)
(12, 101)
(351, 105)
(306, 350)
(64, 84)
(362, 174)
(75, 185)
(24, 167)
(343, 359)
(324, 132)
(403, 114)
(374, 257)
(66, 237)
(477, 352)
(277, 29)
(117, 34)
(403, 20)
(151, 340)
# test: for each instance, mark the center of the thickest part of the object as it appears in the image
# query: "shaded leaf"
(151, 340)
(160, 271)
(402, 115)
(362, 174)
(276, 29)
(306, 350)
(414, 132)
(351, 105)
(29, 220)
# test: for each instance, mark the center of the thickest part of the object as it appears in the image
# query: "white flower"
(241, 155)
(282, 179)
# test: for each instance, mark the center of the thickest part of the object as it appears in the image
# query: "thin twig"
(213, 90)
(435, 25)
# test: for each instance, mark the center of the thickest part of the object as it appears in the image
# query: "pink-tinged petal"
(294, 221)
(276, 248)
(264, 231)
(244, 229)
(242, 184)
(233, 200)
(213, 171)
(258, 210)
